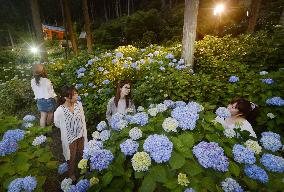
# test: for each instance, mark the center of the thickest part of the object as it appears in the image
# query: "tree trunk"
(117, 8)
(189, 31)
(105, 11)
(38, 29)
(281, 20)
(170, 4)
(11, 38)
(253, 15)
(71, 34)
(87, 26)
(163, 4)
(128, 7)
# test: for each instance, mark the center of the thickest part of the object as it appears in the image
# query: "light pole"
(218, 10)
(34, 50)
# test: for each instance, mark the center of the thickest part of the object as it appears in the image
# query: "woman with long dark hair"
(70, 118)
(121, 101)
(44, 94)
(243, 114)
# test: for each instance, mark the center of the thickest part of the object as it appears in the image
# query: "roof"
(53, 28)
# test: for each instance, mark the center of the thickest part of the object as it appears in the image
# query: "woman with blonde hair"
(44, 94)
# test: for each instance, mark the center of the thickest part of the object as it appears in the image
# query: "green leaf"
(158, 173)
(139, 175)
(176, 160)
(45, 157)
(5, 168)
(186, 139)
(148, 184)
(171, 184)
(234, 169)
(106, 179)
(209, 183)
(22, 167)
(52, 164)
(192, 168)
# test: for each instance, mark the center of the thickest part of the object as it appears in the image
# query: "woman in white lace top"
(243, 113)
(70, 118)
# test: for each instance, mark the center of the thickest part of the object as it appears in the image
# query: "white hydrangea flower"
(161, 107)
(39, 140)
(135, 133)
(129, 110)
(253, 145)
(140, 109)
(170, 124)
(153, 111)
(66, 184)
(96, 135)
(229, 133)
(270, 115)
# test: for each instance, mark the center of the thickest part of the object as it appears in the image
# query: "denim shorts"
(46, 105)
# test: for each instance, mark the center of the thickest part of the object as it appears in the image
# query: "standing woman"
(121, 101)
(44, 94)
(70, 118)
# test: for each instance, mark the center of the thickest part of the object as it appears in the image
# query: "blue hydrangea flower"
(256, 173)
(270, 141)
(125, 65)
(105, 82)
(129, 147)
(180, 104)
(81, 70)
(29, 118)
(79, 85)
(169, 103)
(62, 168)
(189, 190)
(171, 64)
(101, 126)
(268, 81)
(8, 146)
(223, 112)
(29, 183)
(276, 101)
(135, 133)
(181, 61)
(134, 65)
(15, 185)
(210, 155)
(90, 62)
(231, 185)
(16, 134)
(80, 75)
(160, 62)
(142, 61)
(180, 67)
(119, 54)
(273, 163)
(101, 159)
(104, 135)
(195, 106)
(162, 68)
(117, 122)
(174, 60)
(233, 79)
(114, 61)
(72, 188)
(101, 69)
(83, 185)
(243, 154)
(91, 148)
(159, 147)
(185, 117)
(169, 56)
(140, 118)
(39, 140)
(91, 84)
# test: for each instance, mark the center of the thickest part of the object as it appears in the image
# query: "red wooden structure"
(51, 31)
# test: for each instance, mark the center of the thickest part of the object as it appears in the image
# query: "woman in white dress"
(121, 101)
(243, 113)
(70, 118)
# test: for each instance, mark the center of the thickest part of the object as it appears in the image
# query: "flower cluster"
(140, 118)
(15, 134)
(135, 133)
(210, 155)
(39, 140)
(169, 103)
(140, 109)
(96, 135)
(182, 179)
(223, 112)
(94, 181)
(129, 147)
(159, 147)
(263, 73)
(234, 79)
(230, 133)
(270, 115)
(81, 186)
(170, 124)
(277, 101)
(66, 184)
(23, 184)
(267, 81)
(29, 118)
(186, 117)
(83, 164)
(101, 159)
(256, 173)
(195, 106)
(180, 104)
(270, 141)
(62, 168)
(189, 190)
(141, 161)
(231, 185)
(101, 126)
(253, 145)
(243, 154)
(91, 148)
(161, 107)
(104, 135)
(153, 111)
(117, 122)
(273, 163)
(8, 146)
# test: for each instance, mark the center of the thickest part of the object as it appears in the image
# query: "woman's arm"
(58, 117)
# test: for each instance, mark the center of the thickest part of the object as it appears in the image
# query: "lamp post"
(34, 50)
(218, 10)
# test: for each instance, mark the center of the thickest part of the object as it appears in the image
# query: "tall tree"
(87, 26)
(38, 29)
(117, 8)
(105, 11)
(253, 15)
(189, 31)
(68, 19)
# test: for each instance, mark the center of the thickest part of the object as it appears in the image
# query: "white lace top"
(44, 90)
(244, 126)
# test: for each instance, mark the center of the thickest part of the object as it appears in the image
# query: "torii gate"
(50, 30)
